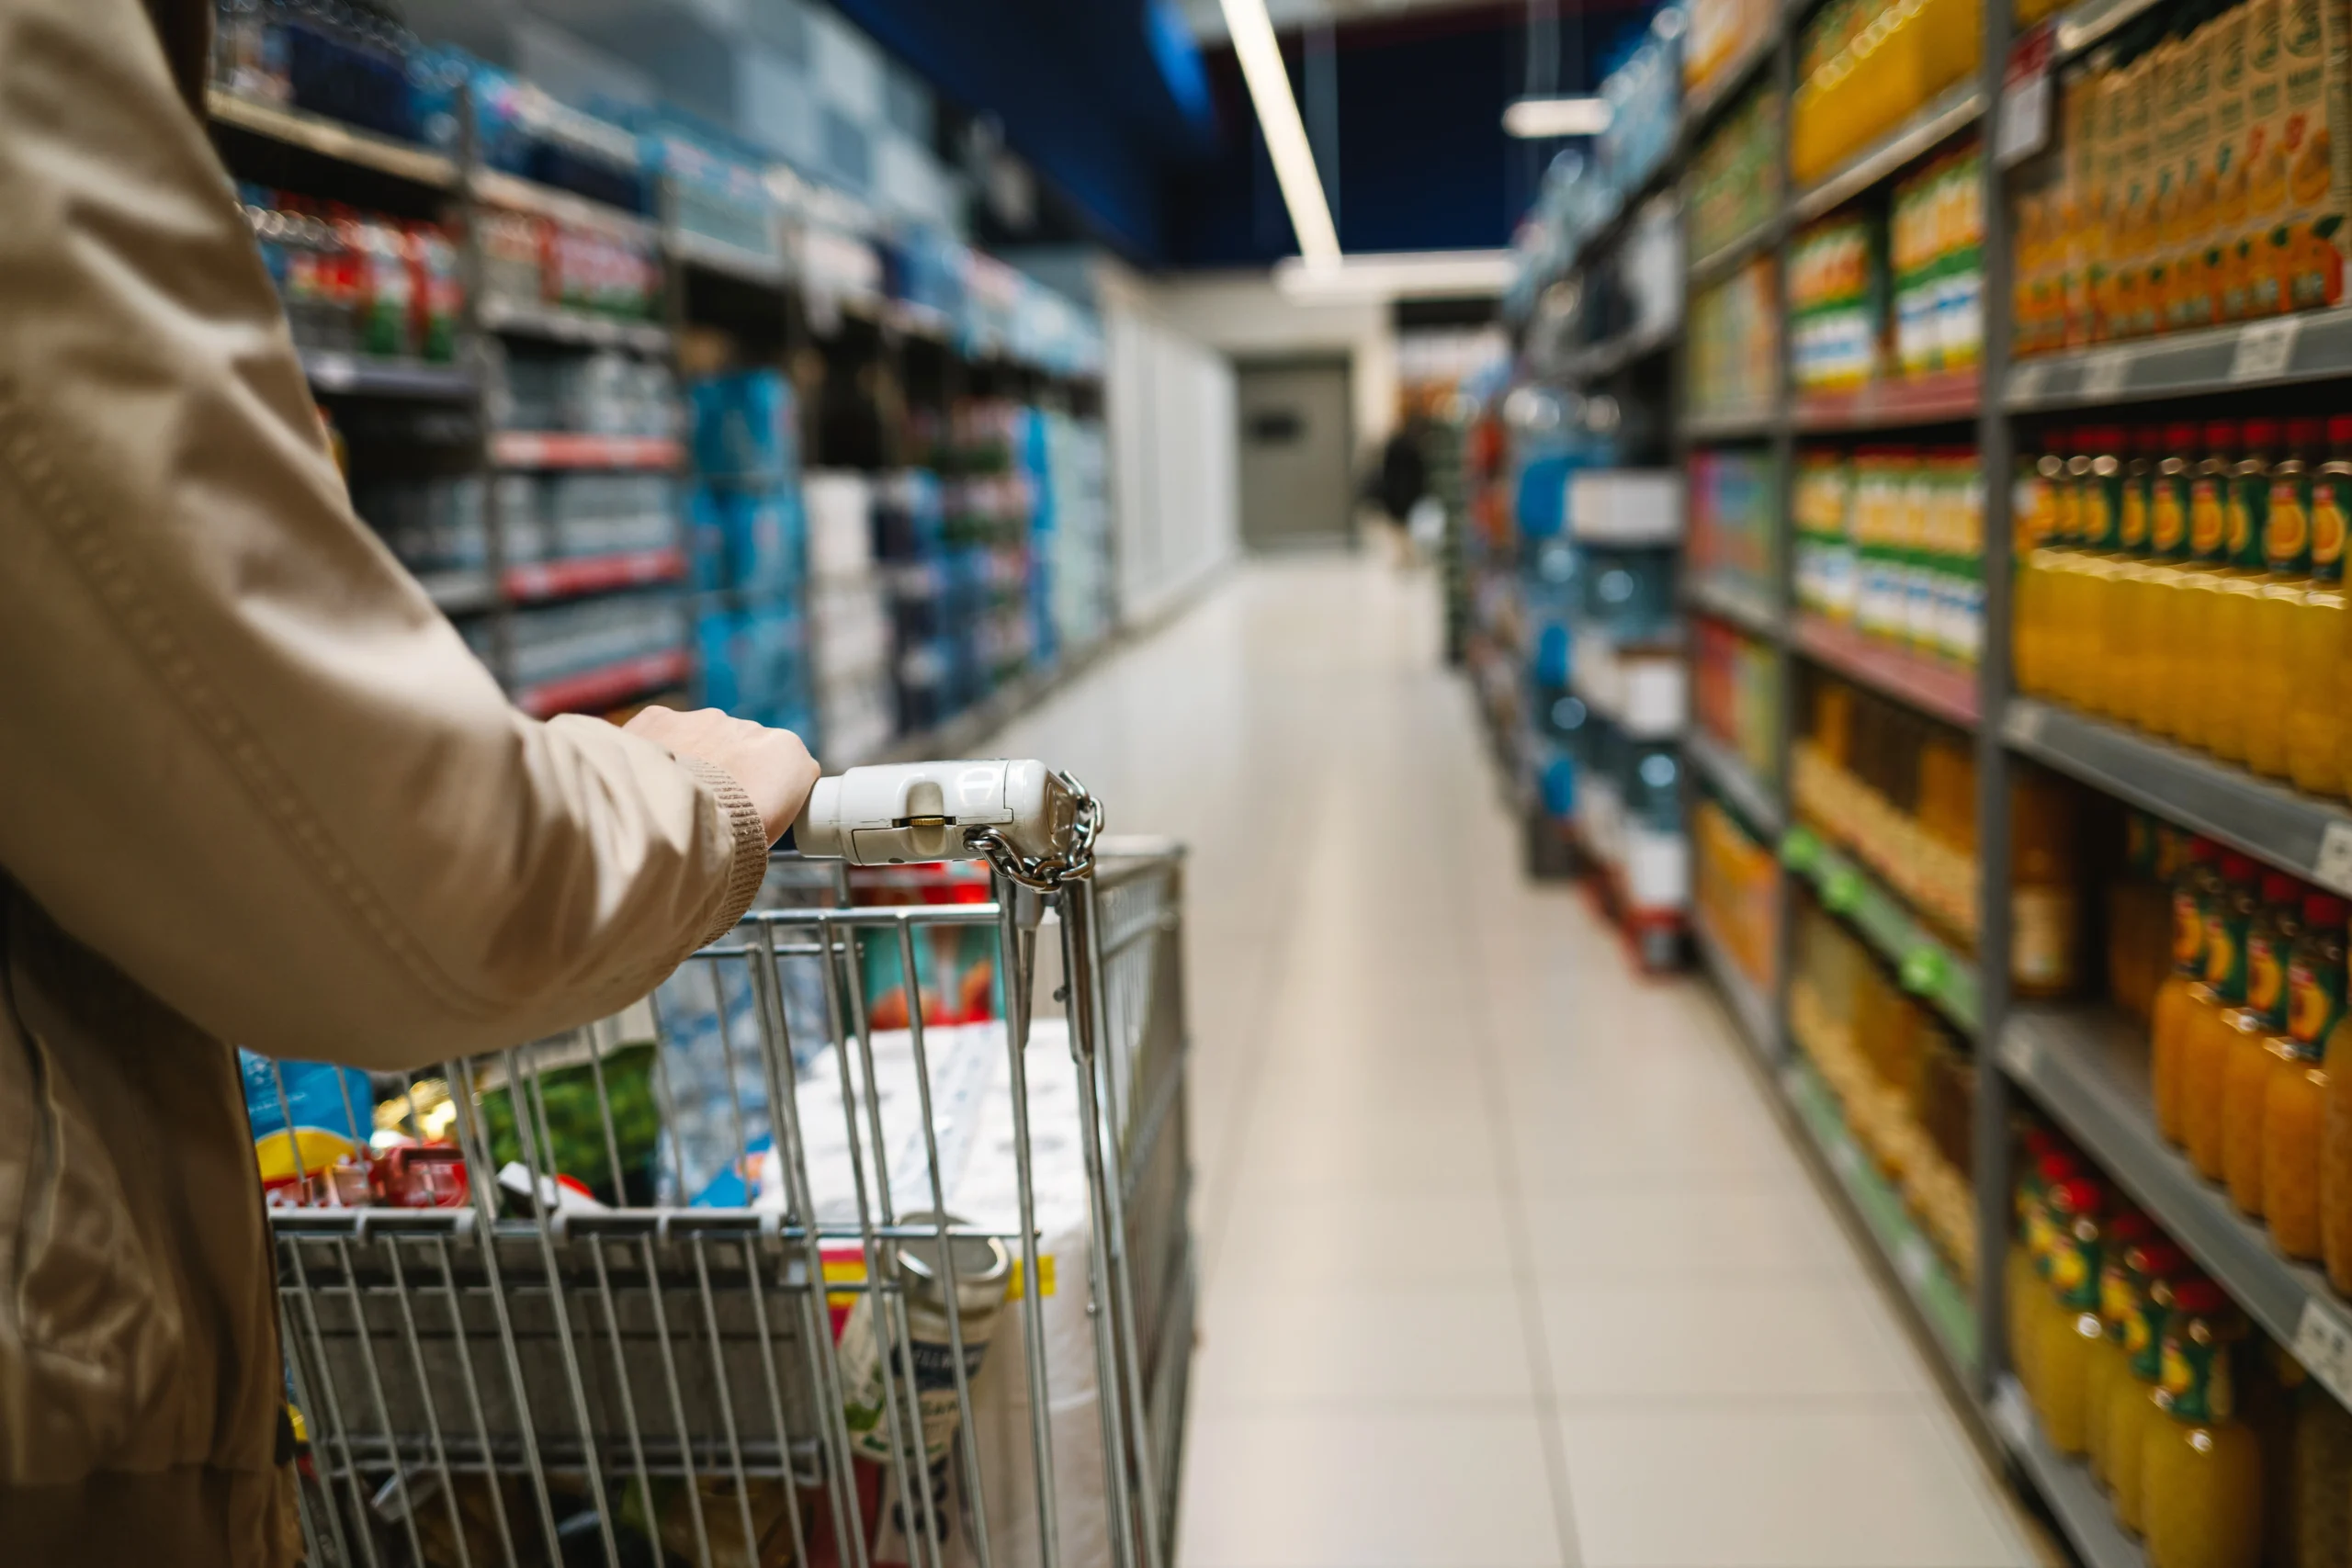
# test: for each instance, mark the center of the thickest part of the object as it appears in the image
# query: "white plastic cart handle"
(905, 812)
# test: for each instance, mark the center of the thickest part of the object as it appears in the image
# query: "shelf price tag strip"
(2324, 1344)
(2265, 349)
(2103, 375)
(2024, 128)
(2333, 867)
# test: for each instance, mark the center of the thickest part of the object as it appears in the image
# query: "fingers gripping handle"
(1022, 816)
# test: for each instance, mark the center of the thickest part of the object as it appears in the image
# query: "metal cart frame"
(531, 1378)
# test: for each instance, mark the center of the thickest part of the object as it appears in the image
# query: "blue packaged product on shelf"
(744, 427)
(720, 645)
(759, 558)
(1652, 786)
(1552, 661)
(1629, 594)
(706, 537)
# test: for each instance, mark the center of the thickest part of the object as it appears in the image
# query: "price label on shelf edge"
(2103, 375)
(2024, 128)
(2020, 1055)
(2333, 867)
(2265, 349)
(2025, 381)
(2324, 1344)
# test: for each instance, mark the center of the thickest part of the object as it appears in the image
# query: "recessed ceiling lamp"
(1397, 274)
(1286, 133)
(1538, 120)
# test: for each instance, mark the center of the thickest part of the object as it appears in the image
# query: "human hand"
(772, 765)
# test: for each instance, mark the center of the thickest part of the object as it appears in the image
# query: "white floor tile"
(1392, 1489)
(1354, 1347)
(1874, 1484)
(1617, 1343)
(1724, 1230)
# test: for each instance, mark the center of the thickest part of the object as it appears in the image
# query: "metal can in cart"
(616, 1339)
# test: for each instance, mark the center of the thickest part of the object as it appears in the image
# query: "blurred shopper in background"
(254, 789)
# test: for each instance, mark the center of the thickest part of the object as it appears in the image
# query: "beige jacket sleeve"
(240, 754)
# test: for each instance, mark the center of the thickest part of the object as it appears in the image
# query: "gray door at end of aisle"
(1297, 484)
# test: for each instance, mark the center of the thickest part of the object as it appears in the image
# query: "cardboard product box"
(2266, 177)
(2162, 240)
(2191, 301)
(2081, 237)
(2108, 236)
(2137, 221)
(2225, 275)
(2303, 177)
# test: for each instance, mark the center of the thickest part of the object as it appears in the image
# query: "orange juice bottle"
(2238, 587)
(2060, 630)
(2125, 649)
(2150, 1269)
(2029, 1305)
(2045, 923)
(2199, 879)
(2162, 667)
(2295, 1109)
(2069, 1334)
(2108, 1363)
(2099, 561)
(2201, 1473)
(2206, 1039)
(2033, 503)
(2245, 1074)
(2319, 646)
(2270, 624)
(2189, 618)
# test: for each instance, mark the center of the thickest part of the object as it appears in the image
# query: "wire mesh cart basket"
(863, 1241)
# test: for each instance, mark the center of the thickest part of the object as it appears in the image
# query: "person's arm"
(240, 754)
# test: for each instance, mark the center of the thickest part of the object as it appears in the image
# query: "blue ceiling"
(1101, 95)
(1156, 149)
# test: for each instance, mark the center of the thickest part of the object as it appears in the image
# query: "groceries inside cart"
(861, 1241)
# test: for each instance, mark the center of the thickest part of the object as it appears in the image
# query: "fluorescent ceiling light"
(1533, 119)
(1261, 68)
(1397, 274)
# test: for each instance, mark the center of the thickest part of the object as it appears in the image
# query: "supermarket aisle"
(1507, 1263)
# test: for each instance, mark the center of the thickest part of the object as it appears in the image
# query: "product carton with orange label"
(2224, 275)
(2189, 302)
(2137, 221)
(2161, 244)
(2297, 179)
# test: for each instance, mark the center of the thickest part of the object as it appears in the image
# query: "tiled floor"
(1506, 1262)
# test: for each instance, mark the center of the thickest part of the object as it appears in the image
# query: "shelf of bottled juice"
(2211, 1443)
(2184, 580)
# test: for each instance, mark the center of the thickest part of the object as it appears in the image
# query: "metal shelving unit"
(1750, 1009)
(2082, 1511)
(1932, 685)
(2088, 1069)
(458, 188)
(2274, 824)
(1728, 600)
(1722, 767)
(1930, 967)
(2082, 1067)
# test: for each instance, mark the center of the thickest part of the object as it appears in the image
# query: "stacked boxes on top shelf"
(749, 535)
(849, 623)
(586, 438)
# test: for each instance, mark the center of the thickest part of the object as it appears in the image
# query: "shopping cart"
(830, 1253)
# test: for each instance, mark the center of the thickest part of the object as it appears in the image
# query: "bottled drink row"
(2186, 579)
(358, 282)
(2210, 1442)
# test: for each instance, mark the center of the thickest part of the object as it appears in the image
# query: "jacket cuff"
(748, 867)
